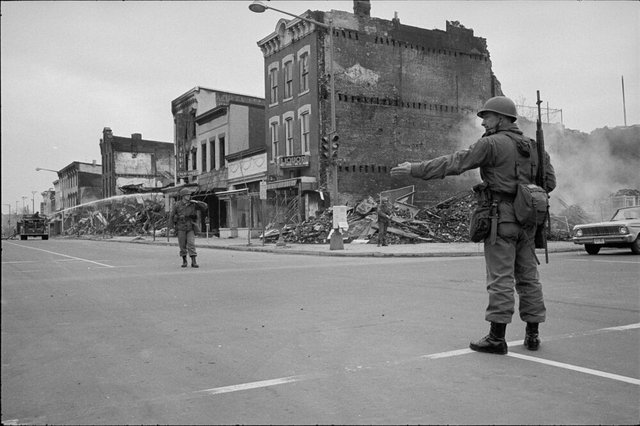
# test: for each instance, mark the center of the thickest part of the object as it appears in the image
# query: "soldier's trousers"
(187, 243)
(511, 262)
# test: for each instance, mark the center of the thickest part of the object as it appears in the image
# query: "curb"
(289, 250)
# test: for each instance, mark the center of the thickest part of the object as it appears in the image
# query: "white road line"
(605, 261)
(255, 385)
(441, 355)
(576, 368)
(65, 255)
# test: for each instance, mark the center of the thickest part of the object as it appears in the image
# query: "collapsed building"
(388, 91)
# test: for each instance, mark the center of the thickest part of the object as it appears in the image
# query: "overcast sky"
(69, 69)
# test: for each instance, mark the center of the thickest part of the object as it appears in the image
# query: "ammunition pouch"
(484, 217)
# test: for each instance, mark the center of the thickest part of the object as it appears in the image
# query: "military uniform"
(384, 217)
(184, 216)
(512, 258)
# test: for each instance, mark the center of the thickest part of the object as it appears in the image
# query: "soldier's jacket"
(384, 212)
(496, 157)
(184, 215)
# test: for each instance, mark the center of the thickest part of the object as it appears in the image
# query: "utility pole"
(624, 105)
(33, 200)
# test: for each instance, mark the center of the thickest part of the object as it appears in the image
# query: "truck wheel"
(635, 246)
(23, 237)
(45, 237)
(592, 248)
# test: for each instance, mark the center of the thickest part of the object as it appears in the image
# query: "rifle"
(541, 181)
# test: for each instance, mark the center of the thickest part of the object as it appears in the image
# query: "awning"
(225, 195)
(285, 183)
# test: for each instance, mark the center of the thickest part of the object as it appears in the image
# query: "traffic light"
(334, 146)
(325, 147)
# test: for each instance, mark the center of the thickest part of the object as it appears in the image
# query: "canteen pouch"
(480, 223)
(530, 205)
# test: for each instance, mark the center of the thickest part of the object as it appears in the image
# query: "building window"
(212, 148)
(288, 135)
(222, 152)
(304, 72)
(288, 79)
(304, 131)
(194, 158)
(204, 156)
(273, 130)
(273, 84)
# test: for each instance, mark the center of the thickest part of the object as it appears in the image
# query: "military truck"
(33, 225)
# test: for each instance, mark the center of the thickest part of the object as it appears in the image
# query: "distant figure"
(384, 218)
(184, 217)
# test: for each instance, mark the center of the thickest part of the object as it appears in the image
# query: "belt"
(503, 196)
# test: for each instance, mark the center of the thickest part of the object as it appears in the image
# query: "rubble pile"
(125, 219)
(447, 221)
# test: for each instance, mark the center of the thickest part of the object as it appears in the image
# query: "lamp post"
(33, 201)
(259, 7)
(61, 207)
(9, 221)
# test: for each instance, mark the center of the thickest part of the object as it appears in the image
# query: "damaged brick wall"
(401, 94)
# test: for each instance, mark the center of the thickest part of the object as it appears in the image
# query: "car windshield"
(626, 214)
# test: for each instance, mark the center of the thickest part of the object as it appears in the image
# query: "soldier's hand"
(403, 169)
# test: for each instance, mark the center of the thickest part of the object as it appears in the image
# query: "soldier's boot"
(194, 264)
(494, 342)
(184, 262)
(531, 339)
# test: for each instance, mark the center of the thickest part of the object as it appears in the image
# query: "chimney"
(136, 136)
(362, 8)
(106, 133)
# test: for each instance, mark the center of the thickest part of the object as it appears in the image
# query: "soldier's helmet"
(184, 191)
(500, 105)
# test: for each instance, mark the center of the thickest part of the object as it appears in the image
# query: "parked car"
(621, 231)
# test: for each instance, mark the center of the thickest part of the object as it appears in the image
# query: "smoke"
(590, 167)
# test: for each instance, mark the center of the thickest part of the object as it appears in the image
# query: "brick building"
(79, 183)
(401, 93)
(220, 153)
(134, 161)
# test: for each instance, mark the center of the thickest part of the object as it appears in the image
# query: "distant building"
(220, 152)
(80, 183)
(401, 92)
(48, 204)
(134, 161)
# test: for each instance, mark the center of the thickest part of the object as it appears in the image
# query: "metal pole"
(624, 105)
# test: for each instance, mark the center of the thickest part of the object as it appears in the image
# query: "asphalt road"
(110, 333)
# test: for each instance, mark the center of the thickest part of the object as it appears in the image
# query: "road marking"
(441, 355)
(65, 255)
(576, 368)
(605, 261)
(255, 385)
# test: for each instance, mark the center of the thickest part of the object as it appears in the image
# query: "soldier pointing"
(506, 158)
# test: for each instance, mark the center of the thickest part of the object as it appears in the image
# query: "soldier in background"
(510, 258)
(184, 218)
(384, 217)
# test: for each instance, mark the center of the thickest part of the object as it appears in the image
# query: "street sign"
(263, 190)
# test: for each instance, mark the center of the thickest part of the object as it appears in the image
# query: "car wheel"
(635, 246)
(592, 248)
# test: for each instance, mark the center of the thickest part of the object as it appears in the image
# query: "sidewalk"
(350, 250)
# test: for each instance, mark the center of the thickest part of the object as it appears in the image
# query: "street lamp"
(9, 221)
(33, 200)
(61, 207)
(259, 7)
